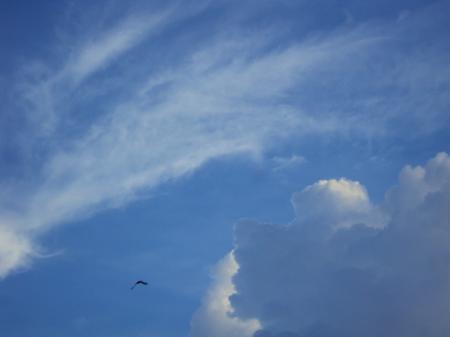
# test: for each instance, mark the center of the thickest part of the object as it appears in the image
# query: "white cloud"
(99, 51)
(358, 280)
(15, 250)
(48, 95)
(416, 184)
(336, 204)
(229, 94)
(288, 163)
(215, 317)
(224, 106)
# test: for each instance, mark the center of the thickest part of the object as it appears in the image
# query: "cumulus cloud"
(336, 204)
(215, 317)
(342, 269)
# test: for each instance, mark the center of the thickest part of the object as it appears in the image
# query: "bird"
(139, 282)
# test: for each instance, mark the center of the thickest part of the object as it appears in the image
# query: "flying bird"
(139, 282)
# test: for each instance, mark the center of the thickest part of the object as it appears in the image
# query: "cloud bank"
(346, 267)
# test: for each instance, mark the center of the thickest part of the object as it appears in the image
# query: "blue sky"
(259, 163)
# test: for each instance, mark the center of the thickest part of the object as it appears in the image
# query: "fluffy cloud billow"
(215, 316)
(347, 267)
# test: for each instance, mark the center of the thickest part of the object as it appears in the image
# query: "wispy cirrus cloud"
(98, 52)
(233, 103)
(51, 88)
(99, 137)
(15, 249)
(287, 163)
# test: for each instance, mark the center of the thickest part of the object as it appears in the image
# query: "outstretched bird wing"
(138, 282)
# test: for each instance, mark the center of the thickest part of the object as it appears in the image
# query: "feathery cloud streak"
(138, 125)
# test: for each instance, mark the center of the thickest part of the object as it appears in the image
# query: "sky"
(270, 168)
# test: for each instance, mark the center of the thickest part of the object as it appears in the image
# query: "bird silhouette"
(139, 282)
